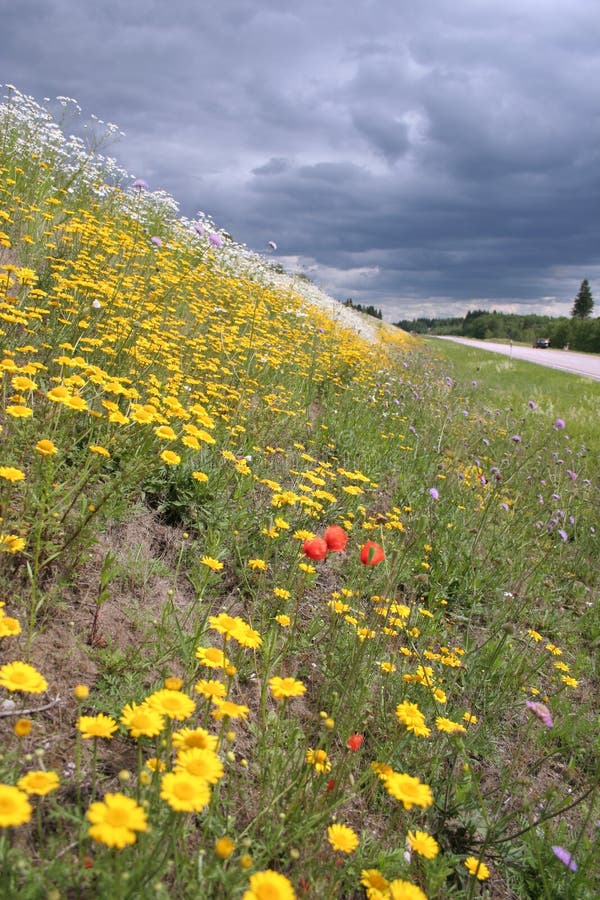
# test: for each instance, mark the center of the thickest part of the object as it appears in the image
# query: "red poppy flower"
(371, 554)
(315, 548)
(330, 784)
(336, 538)
(355, 741)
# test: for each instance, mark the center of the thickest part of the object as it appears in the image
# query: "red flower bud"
(315, 549)
(371, 554)
(335, 538)
(355, 741)
(330, 784)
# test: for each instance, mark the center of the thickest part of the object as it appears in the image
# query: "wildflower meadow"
(285, 611)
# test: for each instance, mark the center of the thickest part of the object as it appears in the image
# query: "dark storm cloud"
(428, 159)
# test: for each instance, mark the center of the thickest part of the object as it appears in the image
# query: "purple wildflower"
(504, 506)
(140, 184)
(572, 475)
(532, 404)
(434, 493)
(563, 534)
(565, 857)
(516, 438)
(559, 424)
(156, 241)
(216, 240)
(199, 230)
(541, 711)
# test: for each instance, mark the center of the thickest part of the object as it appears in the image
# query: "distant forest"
(369, 310)
(574, 333)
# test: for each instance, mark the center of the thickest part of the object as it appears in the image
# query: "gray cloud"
(431, 158)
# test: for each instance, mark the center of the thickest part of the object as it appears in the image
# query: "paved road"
(587, 364)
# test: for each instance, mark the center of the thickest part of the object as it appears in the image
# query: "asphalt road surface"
(586, 364)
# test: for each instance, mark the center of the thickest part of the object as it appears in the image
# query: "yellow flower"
(15, 808)
(404, 890)
(81, 692)
(59, 394)
(228, 709)
(269, 885)
(214, 564)
(448, 726)
(11, 543)
(9, 627)
(165, 433)
(570, 682)
(172, 704)
(201, 763)
(115, 820)
(96, 726)
(477, 868)
(282, 620)
(259, 565)
(21, 383)
(318, 759)
(39, 782)
(281, 593)
(423, 844)
(101, 451)
(200, 476)
(22, 727)
(10, 473)
(170, 458)
(173, 683)
(20, 676)
(19, 412)
(411, 716)
(247, 636)
(46, 447)
(210, 688)
(407, 789)
(224, 847)
(282, 688)
(212, 657)
(141, 720)
(187, 738)
(342, 838)
(185, 793)
(373, 880)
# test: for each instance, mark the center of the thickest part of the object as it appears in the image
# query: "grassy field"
(286, 613)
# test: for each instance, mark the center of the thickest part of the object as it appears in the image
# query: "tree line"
(369, 310)
(578, 332)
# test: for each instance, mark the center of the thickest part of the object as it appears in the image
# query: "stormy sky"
(426, 157)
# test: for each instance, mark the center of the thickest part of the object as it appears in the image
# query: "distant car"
(541, 343)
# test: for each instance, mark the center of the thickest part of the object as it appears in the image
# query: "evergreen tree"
(584, 303)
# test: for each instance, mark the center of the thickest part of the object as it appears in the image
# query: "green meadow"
(285, 612)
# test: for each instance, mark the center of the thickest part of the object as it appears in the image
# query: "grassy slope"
(127, 553)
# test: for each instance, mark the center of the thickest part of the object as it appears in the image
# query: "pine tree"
(584, 302)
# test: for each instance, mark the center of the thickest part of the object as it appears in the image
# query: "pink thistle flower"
(541, 711)
(565, 857)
